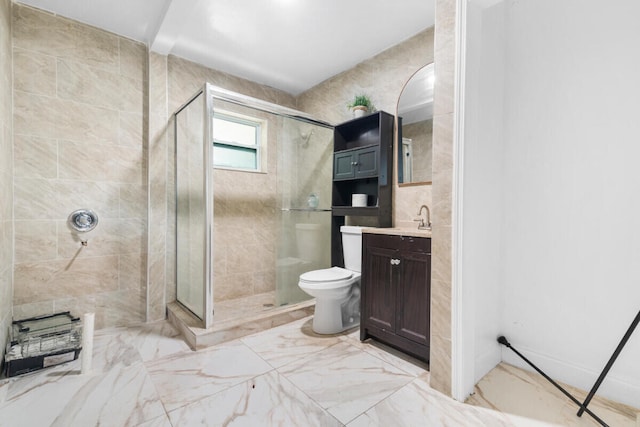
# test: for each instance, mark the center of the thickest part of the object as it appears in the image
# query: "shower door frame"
(212, 93)
(207, 155)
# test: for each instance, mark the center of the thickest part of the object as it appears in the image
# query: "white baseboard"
(485, 363)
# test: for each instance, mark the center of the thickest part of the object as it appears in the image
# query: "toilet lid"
(326, 275)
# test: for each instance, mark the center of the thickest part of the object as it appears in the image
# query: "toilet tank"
(308, 242)
(352, 247)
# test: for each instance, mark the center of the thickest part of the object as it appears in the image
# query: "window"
(236, 142)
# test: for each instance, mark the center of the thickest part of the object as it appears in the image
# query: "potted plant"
(360, 105)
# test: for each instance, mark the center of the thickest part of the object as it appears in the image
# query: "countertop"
(397, 231)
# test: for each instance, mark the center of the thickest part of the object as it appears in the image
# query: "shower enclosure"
(253, 191)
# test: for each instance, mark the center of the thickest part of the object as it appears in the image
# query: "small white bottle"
(313, 200)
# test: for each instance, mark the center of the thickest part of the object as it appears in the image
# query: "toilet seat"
(328, 278)
(326, 275)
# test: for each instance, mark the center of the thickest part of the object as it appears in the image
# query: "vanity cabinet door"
(380, 293)
(414, 297)
(396, 292)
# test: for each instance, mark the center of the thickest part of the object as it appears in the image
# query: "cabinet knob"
(395, 261)
(354, 163)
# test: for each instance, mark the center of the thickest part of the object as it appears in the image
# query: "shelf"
(305, 210)
(357, 148)
(368, 143)
(357, 211)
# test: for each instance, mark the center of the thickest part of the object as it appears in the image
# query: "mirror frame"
(398, 149)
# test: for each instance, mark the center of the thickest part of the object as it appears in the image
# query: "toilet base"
(330, 317)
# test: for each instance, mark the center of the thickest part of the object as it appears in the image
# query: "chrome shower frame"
(212, 93)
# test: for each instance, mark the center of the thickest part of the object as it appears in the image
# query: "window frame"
(259, 147)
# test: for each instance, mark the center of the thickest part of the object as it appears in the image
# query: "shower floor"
(238, 308)
(237, 318)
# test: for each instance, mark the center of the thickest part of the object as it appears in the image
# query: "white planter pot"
(359, 112)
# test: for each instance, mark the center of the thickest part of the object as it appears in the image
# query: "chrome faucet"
(420, 220)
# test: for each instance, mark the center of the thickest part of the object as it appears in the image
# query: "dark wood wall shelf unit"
(362, 164)
(396, 292)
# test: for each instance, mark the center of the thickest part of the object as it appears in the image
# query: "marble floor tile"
(511, 390)
(53, 393)
(4, 387)
(613, 413)
(490, 392)
(123, 396)
(390, 355)
(186, 377)
(112, 347)
(267, 400)
(345, 380)
(288, 343)
(120, 397)
(417, 404)
(287, 376)
(161, 421)
(156, 340)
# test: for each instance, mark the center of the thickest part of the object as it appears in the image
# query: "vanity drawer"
(401, 243)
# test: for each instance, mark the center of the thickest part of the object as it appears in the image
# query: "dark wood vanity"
(396, 291)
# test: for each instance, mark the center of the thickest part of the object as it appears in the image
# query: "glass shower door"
(193, 208)
(305, 165)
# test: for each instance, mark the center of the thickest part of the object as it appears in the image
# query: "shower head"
(306, 138)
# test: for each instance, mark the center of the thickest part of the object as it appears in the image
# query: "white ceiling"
(288, 44)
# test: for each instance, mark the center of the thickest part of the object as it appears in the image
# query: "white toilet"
(336, 289)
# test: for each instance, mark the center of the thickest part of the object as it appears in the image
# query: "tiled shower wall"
(6, 173)
(158, 293)
(79, 141)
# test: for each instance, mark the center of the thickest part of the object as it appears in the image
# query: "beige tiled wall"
(382, 78)
(79, 142)
(445, 51)
(158, 134)
(6, 174)
(245, 227)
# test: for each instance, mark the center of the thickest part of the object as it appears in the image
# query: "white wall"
(483, 188)
(570, 173)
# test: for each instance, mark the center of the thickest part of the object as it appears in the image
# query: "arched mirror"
(415, 125)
